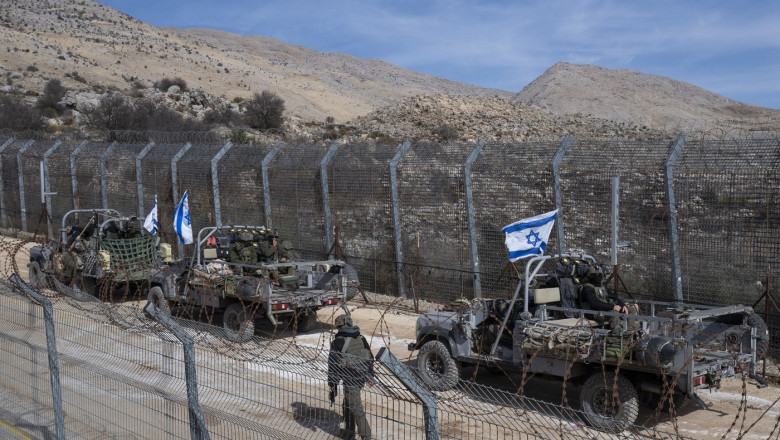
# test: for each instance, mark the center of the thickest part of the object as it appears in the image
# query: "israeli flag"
(181, 220)
(529, 236)
(151, 220)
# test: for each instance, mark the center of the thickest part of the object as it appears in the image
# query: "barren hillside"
(94, 49)
(106, 47)
(629, 96)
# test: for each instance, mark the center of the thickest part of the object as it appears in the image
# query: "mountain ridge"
(91, 47)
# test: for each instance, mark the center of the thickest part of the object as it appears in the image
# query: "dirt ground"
(739, 409)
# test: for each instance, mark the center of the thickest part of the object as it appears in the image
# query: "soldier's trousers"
(354, 413)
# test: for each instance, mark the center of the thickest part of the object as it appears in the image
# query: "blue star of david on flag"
(529, 236)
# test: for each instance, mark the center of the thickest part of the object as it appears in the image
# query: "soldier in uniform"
(350, 360)
(270, 249)
(244, 250)
(594, 296)
(273, 252)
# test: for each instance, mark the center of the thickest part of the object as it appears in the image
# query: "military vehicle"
(291, 291)
(669, 350)
(106, 253)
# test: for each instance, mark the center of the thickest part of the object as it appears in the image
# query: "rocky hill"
(102, 46)
(94, 49)
(642, 99)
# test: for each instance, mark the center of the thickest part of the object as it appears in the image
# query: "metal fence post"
(175, 185)
(674, 242)
(45, 186)
(198, 429)
(470, 218)
(427, 398)
(103, 183)
(138, 178)
(215, 182)
(325, 196)
(51, 348)
(556, 178)
(399, 255)
(615, 216)
(266, 186)
(22, 202)
(73, 182)
(3, 214)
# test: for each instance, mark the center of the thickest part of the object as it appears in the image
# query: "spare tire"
(753, 320)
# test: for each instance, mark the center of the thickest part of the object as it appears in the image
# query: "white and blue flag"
(181, 220)
(151, 222)
(529, 236)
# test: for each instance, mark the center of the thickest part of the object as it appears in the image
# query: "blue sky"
(728, 47)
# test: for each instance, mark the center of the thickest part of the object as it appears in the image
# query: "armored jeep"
(670, 350)
(106, 253)
(291, 291)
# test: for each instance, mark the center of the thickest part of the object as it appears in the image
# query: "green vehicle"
(293, 291)
(105, 255)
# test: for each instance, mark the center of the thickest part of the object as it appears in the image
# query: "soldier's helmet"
(343, 320)
(595, 275)
(270, 233)
(245, 236)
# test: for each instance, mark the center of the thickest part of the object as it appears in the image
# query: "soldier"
(351, 361)
(594, 296)
(244, 251)
(271, 251)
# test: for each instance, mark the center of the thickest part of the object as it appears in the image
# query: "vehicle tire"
(158, 299)
(597, 396)
(37, 278)
(436, 366)
(238, 325)
(753, 320)
(351, 278)
(305, 320)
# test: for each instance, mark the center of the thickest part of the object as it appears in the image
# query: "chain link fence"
(695, 218)
(112, 371)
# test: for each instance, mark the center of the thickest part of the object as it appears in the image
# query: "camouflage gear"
(243, 252)
(271, 253)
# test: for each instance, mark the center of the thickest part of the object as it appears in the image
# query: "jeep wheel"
(158, 299)
(351, 278)
(608, 404)
(305, 320)
(436, 367)
(37, 278)
(238, 325)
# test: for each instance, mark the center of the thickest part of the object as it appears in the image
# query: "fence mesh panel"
(726, 194)
(361, 207)
(241, 185)
(433, 221)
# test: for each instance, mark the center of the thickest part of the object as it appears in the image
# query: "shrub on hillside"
(53, 93)
(115, 112)
(265, 111)
(166, 83)
(18, 116)
(222, 116)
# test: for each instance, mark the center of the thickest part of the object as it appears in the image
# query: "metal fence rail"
(125, 374)
(697, 218)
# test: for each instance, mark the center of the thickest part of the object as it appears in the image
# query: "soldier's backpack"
(357, 355)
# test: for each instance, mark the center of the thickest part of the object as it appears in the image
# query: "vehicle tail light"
(330, 302)
(740, 368)
(280, 307)
(699, 380)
